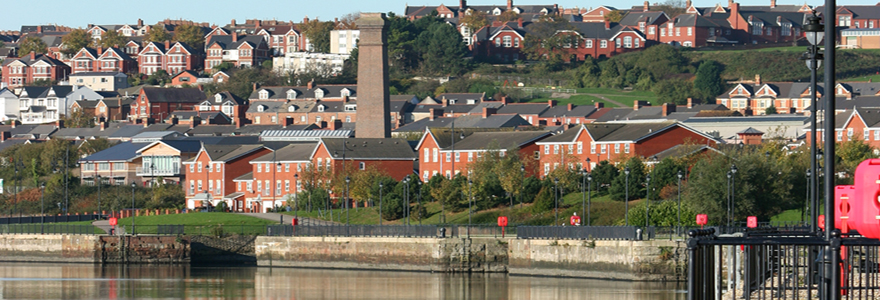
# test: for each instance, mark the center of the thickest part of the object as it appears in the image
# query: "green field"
(585, 96)
(82, 227)
(202, 223)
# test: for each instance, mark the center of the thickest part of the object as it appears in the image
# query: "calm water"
(73, 281)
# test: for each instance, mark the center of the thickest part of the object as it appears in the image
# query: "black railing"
(579, 232)
(205, 230)
(51, 219)
(48, 229)
(354, 230)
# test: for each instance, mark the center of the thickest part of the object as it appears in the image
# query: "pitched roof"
(228, 152)
(122, 152)
(225, 41)
(298, 151)
(173, 95)
(524, 108)
(369, 148)
(499, 140)
(304, 92)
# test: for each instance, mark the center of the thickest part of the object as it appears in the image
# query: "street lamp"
(729, 177)
(626, 195)
(556, 200)
(589, 197)
(99, 191)
(679, 175)
(296, 197)
(42, 208)
(133, 185)
(583, 195)
(522, 176)
(815, 33)
(418, 212)
(470, 206)
(380, 201)
(347, 218)
(647, 200)
(406, 199)
(733, 192)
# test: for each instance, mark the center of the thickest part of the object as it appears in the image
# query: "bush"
(392, 207)
(544, 201)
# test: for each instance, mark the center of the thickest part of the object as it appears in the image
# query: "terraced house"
(32, 67)
(310, 104)
(173, 58)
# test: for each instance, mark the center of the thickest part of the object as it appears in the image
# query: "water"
(78, 281)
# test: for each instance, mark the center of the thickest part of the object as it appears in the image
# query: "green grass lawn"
(872, 78)
(82, 227)
(199, 223)
(625, 98)
(792, 215)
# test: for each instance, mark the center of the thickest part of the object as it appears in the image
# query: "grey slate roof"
(751, 130)
(174, 95)
(299, 151)
(226, 42)
(122, 152)
(524, 108)
(499, 140)
(370, 148)
(228, 152)
(43, 91)
(303, 92)
(562, 110)
(212, 130)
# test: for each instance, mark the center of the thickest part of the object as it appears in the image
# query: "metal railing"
(51, 219)
(579, 232)
(781, 264)
(48, 229)
(354, 230)
(205, 230)
(141, 171)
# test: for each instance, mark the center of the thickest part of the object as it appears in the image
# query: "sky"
(221, 12)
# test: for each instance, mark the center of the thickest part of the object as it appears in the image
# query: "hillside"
(784, 64)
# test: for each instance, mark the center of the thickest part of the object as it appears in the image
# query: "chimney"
(509, 4)
(259, 23)
(570, 106)
(519, 22)
(39, 29)
(336, 124)
(59, 124)
(194, 121)
(690, 102)
(345, 99)
(647, 7)
(444, 102)
(311, 84)
(772, 3)
(287, 122)
(237, 124)
(487, 111)
(600, 105)
(668, 108)
(140, 23)
(232, 23)
(146, 122)
(14, 123)
(462, 4)
(167, 45)
(103, 126)
(234, 36)
(758, 79)
(305, 19)
(687, 4)
(33, 55)
(607, 24)
(256, 86)
(637, 104)
(551, 103)
(504, 100)
(434, 113)
(5, 135)
(173, 120)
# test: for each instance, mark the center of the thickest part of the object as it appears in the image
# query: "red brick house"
(436, 155)
(31, 67)
(856, 124)
(186, 77)
(391, 156)
(210, 174)
(281, 39)
(158, 103)
(648, 23)
(102, 60)
(598, 14)
(284, 167)
(173, 58)
(231, 105)
(500, 42)
(614, 142)
(241, 51)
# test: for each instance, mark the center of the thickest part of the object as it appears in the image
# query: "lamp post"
(807, 205)
(729, 176)
(815, 34)
(733, 192)
(583, 195)
(647, 200)
(296, 197)
(679, 175)
(556, 200)
(42, 208)
(347, 218)
(133, 185)
(626, 195)
(66, 164)
(406, 199)
(380, 201)
(418, 212)
(470, 206)
(99, 191)
(589, 197)
(522, 176)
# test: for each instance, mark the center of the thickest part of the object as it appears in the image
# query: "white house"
(8, 105)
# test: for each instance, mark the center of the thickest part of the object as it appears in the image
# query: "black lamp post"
(808, 204)
(815, 34)
(296, 197)
(418, 212)
(347, 218)
(626, 195)
(99, 191)
(133, 185)
(729, 177)
(733, 192)
(556, 200)
(406, 199)
(470, 207)
(583, 195)
(380, 201)
(679, 175)
(42, 208)
(589, 197)
(647, 200)
(522, 176)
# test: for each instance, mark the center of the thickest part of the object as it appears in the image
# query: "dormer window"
(517, 10)
(321, 108)
(264, 94)
(291, 108)
(218, 98)
(319, 94)
(291, 94)
(345, 93)
(496, 12)
(350, 107)
(261, 108)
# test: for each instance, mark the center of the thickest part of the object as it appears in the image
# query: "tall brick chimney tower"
(373, 117)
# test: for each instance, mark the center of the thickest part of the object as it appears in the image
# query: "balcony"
(141, 171)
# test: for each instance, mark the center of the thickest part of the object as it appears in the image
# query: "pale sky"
(80, 13)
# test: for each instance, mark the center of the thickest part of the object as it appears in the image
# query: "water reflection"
(77, 281)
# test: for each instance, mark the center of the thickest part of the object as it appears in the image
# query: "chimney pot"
(551, 103)
(311, 84)
(570, 106)
(509, 4)
(690, 103)
(600, 105)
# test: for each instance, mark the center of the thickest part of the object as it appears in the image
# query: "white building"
(343, 41)
(100, 81)
(302, 62)
(43, 104)
(8, 105)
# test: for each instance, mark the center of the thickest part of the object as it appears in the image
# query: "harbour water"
(83, 281)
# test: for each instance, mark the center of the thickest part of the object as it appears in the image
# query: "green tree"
(78, 119)
(664, 174)
(95, 145)
(112, 38)
(544, 201)
(167, 196)
(75, 41)
(674, 90)
(636, 181)
(43, 82)
(445, 52)
(157, 34)
(402, 53)
(474, 20)
(603, 174)
(160, 77)
(318, 33)
(31, 44)
(191, 35)
(851, 153)
(662, 213)
(614, 16)
(662, 60)
(708, 83)
(223, 67)
(543, 39)
(770, 110)
(508, 16)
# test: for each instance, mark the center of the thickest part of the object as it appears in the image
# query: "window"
(362, 166)
(592, 147)
(448, 157)
(103, 166)
(268, 187)
(866, 134)
(200, 167)
(616, 148)
(588, 44)
(849, 132)
(287, 186)
(435, 155)
(580, 147)
(210, 185)
(840, 136)
(277, 187)
(877, 135)
(192, 168)
(570, 149)
(507, 41)
(626, 148)
(627, 42)
(662, 31)
(497, 42)
(555, 149)
(516, 42)
(470, 156)
(602, 149)
(192, 186)
(259, 186)
(636, 43)
(427, 155)
(200, 185)
(603, 44)
(690, 31)
(617, 43)
(650, 30)
(677, 31)
(457, 156)
(546, 149)
(546, 168)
